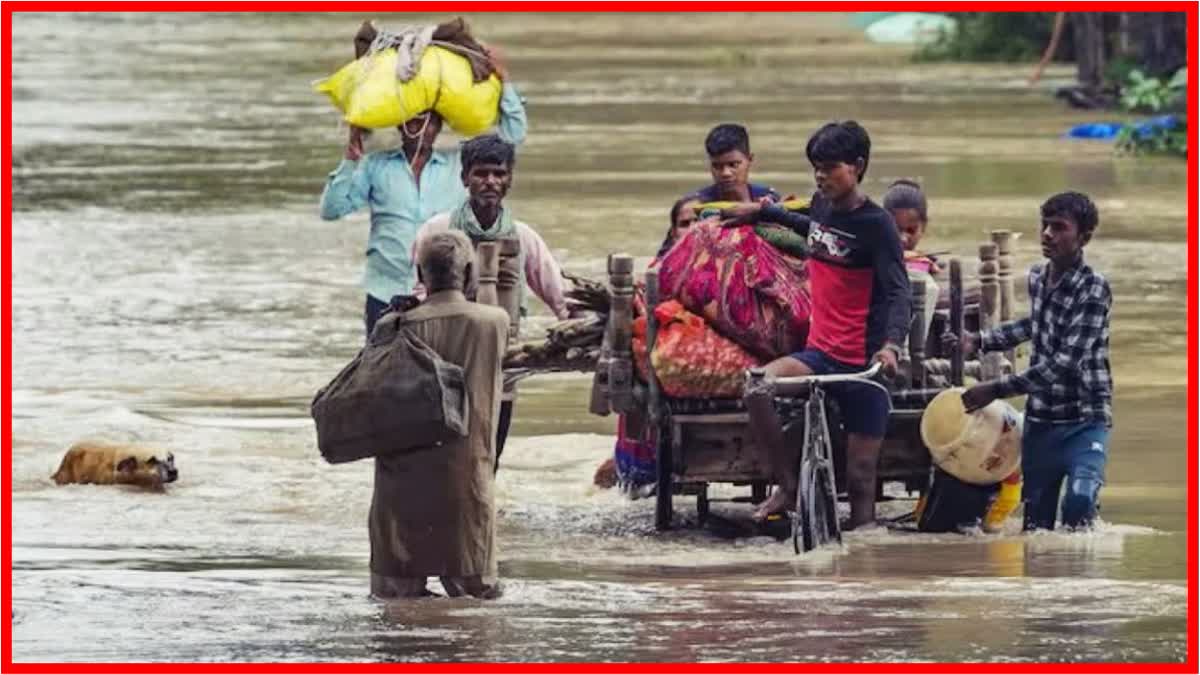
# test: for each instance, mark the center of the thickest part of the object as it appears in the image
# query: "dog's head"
(146, 469)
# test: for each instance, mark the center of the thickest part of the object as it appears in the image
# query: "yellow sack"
(469, 108)
(369, 95)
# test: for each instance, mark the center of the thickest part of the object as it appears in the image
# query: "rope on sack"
(410, 43)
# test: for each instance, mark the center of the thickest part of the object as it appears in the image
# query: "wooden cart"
(703, 441)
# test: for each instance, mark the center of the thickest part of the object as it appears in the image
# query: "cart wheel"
(702, 504)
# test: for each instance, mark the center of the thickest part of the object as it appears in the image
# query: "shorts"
(864, 408)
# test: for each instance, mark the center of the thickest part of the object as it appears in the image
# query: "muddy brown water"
(173, 285)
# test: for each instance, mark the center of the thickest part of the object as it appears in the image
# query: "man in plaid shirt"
(1068, 412)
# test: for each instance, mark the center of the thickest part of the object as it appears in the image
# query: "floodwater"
(173, 285)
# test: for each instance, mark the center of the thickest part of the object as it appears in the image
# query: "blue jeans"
(1052, 453)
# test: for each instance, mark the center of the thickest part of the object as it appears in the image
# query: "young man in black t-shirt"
(861, 307)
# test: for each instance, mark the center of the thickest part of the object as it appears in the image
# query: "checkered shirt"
(1069, 378)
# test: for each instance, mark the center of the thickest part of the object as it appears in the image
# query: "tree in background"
(1105, 46)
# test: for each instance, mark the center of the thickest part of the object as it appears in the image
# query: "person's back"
(433, 511)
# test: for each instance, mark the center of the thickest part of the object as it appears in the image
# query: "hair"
(443, 259)
(675, 209)
(726, 137)
(487, 149)
(1076, 206)
(843, 142)
(678, 206)
(906, 194)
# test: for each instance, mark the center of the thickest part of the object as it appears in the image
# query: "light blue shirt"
(399, 206)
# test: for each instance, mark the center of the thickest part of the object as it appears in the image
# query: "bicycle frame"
(815, 521)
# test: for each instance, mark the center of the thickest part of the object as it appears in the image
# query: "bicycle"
(815, 521)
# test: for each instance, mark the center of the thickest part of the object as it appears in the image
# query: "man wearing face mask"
(487, 173)
(404, 187)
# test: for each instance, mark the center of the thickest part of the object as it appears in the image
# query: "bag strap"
(393, 318)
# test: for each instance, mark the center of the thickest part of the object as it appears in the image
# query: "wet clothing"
(712, 193)
(709, 194)
(864, 408)
(1054, 453)
(376, 309)
(399, 204)
(857, 276)
(1069, 379)
(372, 312)
(433, 511)
(540, 270)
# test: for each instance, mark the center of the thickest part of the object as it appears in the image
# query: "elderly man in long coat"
(433, 513)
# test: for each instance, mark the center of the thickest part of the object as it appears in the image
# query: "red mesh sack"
(691, 359)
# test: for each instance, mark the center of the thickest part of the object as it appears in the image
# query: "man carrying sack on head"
(405, 186)
(433, 511)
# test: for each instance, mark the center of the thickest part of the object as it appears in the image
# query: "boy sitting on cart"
(856, 268)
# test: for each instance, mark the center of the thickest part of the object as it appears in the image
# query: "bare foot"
(871, 524)
(776, 503)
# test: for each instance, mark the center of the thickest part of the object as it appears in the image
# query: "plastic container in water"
(981, 448)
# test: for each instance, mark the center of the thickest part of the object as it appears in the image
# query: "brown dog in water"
(104, 464)
(606, 474)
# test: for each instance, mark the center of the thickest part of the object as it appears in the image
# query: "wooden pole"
(600, 403)
(663, 461)
(620, 327)
(916, 334)
(508, 286)
(487, 255)
(956, 322)
(1004, 265)
(988, 303)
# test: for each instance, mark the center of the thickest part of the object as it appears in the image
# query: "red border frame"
(1189, 665)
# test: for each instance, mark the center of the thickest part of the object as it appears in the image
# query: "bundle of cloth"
(745, 288)
(691, 360)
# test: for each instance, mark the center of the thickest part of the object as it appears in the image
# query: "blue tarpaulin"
(1107, 131)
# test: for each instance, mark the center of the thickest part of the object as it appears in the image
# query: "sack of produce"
(691, 359)
(371, 95)
(750, 291)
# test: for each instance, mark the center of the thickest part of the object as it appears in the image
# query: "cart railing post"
(664, 465)
(956, 322)
(600, 403)
(508, 285)
(916, 334)
(620, 333)
(1004, 269)
(487, 255)
(988, 305)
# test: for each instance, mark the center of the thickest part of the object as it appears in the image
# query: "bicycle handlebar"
(803, 383)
